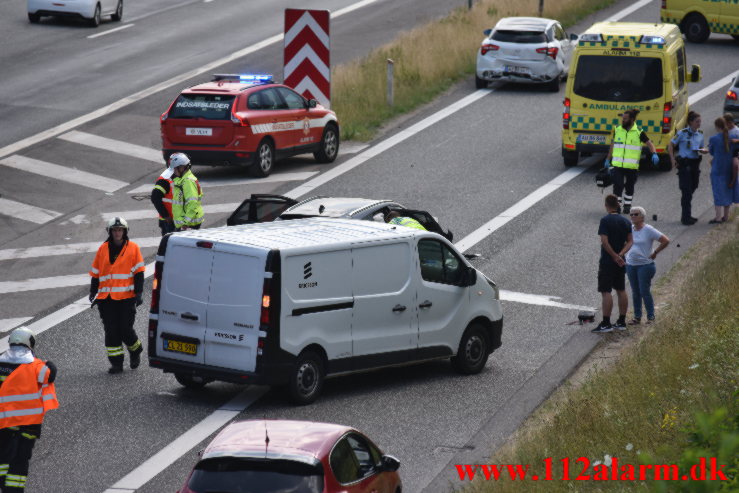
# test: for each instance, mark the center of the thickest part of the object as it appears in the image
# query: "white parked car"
(90, 10)
(525, 49)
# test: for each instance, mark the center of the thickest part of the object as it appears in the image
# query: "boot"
(115, 369)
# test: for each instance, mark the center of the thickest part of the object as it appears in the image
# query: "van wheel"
(306, 380)
(329, 145)
(191, 381)
(473, 351)
(480, 83)
(264, 159)
(570, 158)
(696, 28)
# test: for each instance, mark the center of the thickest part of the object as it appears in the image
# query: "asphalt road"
(465, 169)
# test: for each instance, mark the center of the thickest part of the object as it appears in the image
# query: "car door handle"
(189, 316)
(425, 304)
(399, 308)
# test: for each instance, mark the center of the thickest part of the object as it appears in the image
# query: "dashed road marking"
(225, 182)
(67, 249)
(44, 283)
(26, 212)
(63, 173)
(113, 145)
(115, 29)
(7, 324)
(151, 213)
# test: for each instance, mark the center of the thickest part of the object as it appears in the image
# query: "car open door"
(427, 221)
(260, 208)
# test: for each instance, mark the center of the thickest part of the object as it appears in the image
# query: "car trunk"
(520, 45)
(201, 120)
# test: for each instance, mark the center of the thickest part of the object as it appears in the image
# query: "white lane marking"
(151, 213)
(187, 441)
(355, 148)
(65, 313)
(517, 209)
(719, 84)
(63, 173)
(112, 145)
(276, 178)
(26, 212)
(137, 96)
(44, 283)
(115, 29)
(68, 249)
(7, 324)
(386, 144)
(539, 299)
(632, 8)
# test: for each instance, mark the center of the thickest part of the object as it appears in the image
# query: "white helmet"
(116, 222)
(23, 336)
(178, 159)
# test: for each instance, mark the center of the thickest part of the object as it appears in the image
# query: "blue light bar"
(255, 77)
(655, 40)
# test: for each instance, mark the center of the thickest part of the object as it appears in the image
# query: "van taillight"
(155, 285)
(566, 114)
(667, 119)
(264, 317)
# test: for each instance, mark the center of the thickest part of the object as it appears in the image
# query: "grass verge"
(428, 60)
(671, 399)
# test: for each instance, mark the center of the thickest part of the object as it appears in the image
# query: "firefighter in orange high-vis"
(26, 394)
(117, 287)
(161, 197)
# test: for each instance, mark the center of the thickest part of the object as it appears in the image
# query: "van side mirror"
(388, 463)
(312, 103)
(469, 277)
(695, 73)
(487, 32)
(574, 37)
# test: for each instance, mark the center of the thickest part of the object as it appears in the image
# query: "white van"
(291, 302)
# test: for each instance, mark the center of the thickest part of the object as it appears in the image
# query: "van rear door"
(184, 300)
(234, 307)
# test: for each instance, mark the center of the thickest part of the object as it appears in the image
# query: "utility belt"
(688, 161)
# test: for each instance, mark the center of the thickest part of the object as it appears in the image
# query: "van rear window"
(607, 78)
(207, 106)
(520, 36)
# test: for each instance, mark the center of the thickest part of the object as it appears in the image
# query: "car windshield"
(519, 36)
(627, 78)
(230, 475)
(208, 106)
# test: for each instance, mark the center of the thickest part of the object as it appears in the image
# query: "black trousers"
(624, 180)
(166, 227)
(118, 317)
(16, 448)
(688, 174)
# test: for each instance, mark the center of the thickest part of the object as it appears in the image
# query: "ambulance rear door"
(234, 307)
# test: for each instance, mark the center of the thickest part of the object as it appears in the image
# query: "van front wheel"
(306, 380)
(473, 351)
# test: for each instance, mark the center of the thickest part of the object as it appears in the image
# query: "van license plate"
(591, 139)
(207, 132)
(180, 347)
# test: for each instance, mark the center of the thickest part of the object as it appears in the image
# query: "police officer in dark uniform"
(689, 143)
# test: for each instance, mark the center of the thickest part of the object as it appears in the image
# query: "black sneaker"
(619, 325)
(602, 328)
(115, 369)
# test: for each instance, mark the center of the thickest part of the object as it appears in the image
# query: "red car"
(247, 120)
(292, 456)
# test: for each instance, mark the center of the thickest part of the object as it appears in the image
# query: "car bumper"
(494, 69)
(213, 158)
(69, 9)
(733, 109)
(276, 374)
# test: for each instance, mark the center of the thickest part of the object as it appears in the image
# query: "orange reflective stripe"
(116, 279)
(23, 399)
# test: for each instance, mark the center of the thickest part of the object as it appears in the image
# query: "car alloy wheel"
(329, 145)
(118, 15)
(264, 159)
(95, 20)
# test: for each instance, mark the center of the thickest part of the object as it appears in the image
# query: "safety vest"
(187, 207)
(626, 147)
(116, 279)
(26, 395)
(408, 222)
(167, 199)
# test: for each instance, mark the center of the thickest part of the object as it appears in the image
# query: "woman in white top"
(640, 263)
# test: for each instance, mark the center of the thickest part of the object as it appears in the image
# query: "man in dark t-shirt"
(615, 240)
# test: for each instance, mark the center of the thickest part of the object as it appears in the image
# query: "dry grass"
(428, 60)
(640, 408)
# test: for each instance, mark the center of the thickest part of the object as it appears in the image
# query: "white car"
(525, 49)
(89, 10)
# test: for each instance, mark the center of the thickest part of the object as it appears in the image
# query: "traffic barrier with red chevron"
(308, 53)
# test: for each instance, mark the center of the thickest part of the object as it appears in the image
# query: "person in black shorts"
(615, 240)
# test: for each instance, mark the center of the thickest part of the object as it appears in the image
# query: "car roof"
(332, 206)
(302, 441)
(524, 23)
(224, 86)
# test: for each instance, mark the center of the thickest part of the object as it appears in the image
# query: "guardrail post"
(541, 8)
(390, 65)
(469, 4)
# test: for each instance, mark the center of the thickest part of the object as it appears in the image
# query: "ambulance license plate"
(591, 139)
(207, 132)
(517, 70)
(180, 347)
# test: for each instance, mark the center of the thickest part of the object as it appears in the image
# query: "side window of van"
(681, 67)
(438, 262)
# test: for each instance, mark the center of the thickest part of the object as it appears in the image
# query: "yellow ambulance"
(699, 18)
(619, 66)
